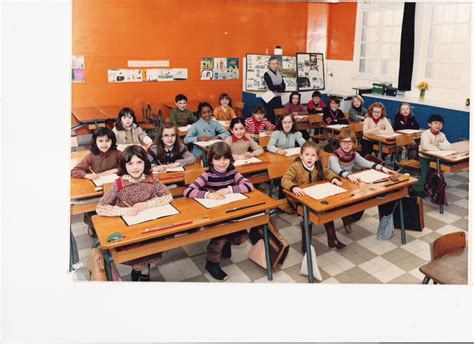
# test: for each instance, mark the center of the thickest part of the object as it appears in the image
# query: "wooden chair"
(191, 175)
(263, 141)
(239, 108)
(279, 112)
(405, 141)
(93, 127)
(446, 244)
(276, 171)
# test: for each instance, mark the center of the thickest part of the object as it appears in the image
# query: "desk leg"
(108, 264)
(402, 224)
(270, 185)
(438, 166)
(426, 280)
(308, 244)
(267, 253)
(380, 150)
(204, 159)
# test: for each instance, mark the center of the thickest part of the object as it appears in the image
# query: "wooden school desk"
(385, 145)
(356, 198)
(310, 121)
(448, 269)
(193, 224)
(451, 163)
(87, 115)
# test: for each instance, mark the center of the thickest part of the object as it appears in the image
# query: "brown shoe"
(348, 228)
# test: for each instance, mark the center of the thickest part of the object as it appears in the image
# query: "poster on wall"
(310, 71)
(257, 66)
(219, 68)
(124, 75)
(155, 74)
(77, 68)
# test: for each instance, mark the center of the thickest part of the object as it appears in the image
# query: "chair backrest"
(191, 175)
(317, 118)
(356, 127)
(239, 108)
(279, 112)
(448, 243)
(276, 171)
(146, 111)
(324, 156)
(263, 141)
(403, 140)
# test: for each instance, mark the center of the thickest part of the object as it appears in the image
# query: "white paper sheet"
(224, 123)
(267, 96)
(204, 144)
(370, 176)
(263, 134)
(121, 147)
(324, 190)
(410, 131)
(389, 136)
(105, 180)
(229, 198)
(184, 129)
(252, 160)
(150, 214)
(292, 151)
(175, 169)
(300, 116)
(337, 126)
(441, 152)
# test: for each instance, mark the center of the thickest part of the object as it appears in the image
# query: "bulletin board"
(257, 66)
(310, 71)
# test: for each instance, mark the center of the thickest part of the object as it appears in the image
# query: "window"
(446, 41)
(377, 47)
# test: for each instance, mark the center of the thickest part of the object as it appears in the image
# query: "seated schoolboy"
(315, 105)
(332, 114)
(258, 123)
(431, 140)
(180, 115)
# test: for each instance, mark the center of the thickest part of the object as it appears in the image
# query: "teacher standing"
(275, 83)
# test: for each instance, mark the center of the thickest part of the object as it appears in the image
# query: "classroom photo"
(312, 151)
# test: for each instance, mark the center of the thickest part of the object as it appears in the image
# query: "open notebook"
(184, 129)
(150, 214)
(337, 126)
(229, 198)
(389, 136)
(173, 169)
(410, 131)
(105, 180)
(292, 151)
(324, 190)
(370, 176)
(204, 144)
(251, 160)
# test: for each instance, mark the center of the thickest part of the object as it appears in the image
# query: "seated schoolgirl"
(168, 151)
(101, 161)
(332, 114)
(224, 111)
(258, 123)
(136, 190)
(404, 118)
(357, 111)
(294, 106)
(285, 136)
(308, 168)
(374, 123)
(127, 130)
(241, 144)
(220, 179)
(205, 129)
(342, 162)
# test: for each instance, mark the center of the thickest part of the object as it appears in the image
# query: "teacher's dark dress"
(276, 84)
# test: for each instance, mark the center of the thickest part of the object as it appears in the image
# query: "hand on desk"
(159, 168)
(173, 165)
(336, 181)
(386, 170)
(140, 206)
(223, 191)
(281, 152)
(91, 176)
(353, 179)
(214, 195)
(108, 172)
(298, 191)
(131, 211)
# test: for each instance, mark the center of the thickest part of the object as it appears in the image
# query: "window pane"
(430, 70)
(370, 18)
(435, 33)
(431, 52)
(371, 35)
(437, 14)
(449, 13)
(462, 13)
(387, 17)
(393, 68)
(456, 73)
(362, 66)
(445, 71)
(387, 34)
(396, 34)
(458, 52)
(371, 50)
(398, 17)
(370, 66)
(461, 34)
(386, 51)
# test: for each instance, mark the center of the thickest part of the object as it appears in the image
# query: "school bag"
(413, 215)
(435, 186)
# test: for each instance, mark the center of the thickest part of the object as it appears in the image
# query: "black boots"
(215, 271)
(333, 241)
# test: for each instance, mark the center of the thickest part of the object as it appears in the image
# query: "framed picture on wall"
(254, 71)
(310, 71)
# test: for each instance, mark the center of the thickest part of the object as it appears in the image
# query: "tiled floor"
(363, 260)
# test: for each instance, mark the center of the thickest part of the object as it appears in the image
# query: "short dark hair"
(180, 97)
(236, 120)
(202, 105)
(294, 93)
(279, 125)
(224, 96)
(123, 112)
(316, 94)
(219, 150)
(258, 108)
(435, 118)
(128, 154)
(334, 99)
(103, 131)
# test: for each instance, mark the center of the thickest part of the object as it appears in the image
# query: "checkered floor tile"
(364, 260)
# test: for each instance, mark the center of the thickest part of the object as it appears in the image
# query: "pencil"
(90, 169)
(128, 205)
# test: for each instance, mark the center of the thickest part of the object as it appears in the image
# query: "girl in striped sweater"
(220, 179)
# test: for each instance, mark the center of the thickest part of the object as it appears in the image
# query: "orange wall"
(110, 32)
(341, 31)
